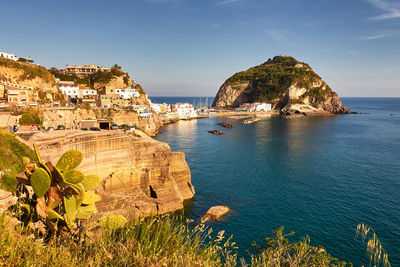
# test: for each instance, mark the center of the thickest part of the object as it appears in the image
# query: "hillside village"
(26, 85)
(78, 86)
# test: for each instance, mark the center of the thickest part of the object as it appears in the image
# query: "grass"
(152, 242)
(11, 163)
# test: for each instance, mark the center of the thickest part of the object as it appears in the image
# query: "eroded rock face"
(141, 175)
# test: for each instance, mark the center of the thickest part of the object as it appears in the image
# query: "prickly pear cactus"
(62, 193)
(40, 181)
(70, 210)
(74, 176)
(91, 182)
(69, 160)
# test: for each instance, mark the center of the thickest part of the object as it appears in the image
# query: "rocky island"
(286, 83)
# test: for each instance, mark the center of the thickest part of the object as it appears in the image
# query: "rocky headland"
(141, 176)
(286, 83)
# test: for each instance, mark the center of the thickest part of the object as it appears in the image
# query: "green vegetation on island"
(273, 77)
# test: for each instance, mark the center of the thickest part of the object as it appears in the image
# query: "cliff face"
(141, 175)
(282, 81)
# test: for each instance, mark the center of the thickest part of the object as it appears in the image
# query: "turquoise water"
(319, 176)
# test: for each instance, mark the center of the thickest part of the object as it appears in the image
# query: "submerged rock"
(215, 213)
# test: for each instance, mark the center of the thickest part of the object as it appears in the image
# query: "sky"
(190, 47)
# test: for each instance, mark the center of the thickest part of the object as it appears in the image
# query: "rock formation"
(284, 82)
(215, 212)
(141, 175)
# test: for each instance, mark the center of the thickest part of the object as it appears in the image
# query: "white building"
(160, 108)
(87, 93)
(128, 93)
(9, 56)
(184, 110)
(70, 90)
(260, 107)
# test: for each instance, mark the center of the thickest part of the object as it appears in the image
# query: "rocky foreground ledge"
(141, 175)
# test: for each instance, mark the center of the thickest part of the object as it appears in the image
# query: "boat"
(216, 132)
(226, 125)
(250, 121)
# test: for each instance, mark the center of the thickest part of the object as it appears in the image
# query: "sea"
(316, 176)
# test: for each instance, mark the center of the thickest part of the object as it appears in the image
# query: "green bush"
(30, 118)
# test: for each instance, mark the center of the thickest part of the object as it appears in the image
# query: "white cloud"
(391, 9)
(215, 25)
(225, 2)
(380, 35)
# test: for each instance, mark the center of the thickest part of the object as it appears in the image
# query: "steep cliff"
(282, 81)
(141, 175)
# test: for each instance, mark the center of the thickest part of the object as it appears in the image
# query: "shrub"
(30, 118)
(279, 251)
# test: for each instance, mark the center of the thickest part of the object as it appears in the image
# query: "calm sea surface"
(319, 176)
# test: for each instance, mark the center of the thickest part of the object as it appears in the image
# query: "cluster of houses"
(84, 69)
(179, 110)
(14, 95)
(105, 98)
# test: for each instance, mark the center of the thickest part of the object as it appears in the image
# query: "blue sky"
(190, 47)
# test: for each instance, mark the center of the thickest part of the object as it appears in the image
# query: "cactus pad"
(90, 198)
(40, 181)
(70, 209)
(74, 176)
(91, 182)
(113, 222)
(69, 160)
(85, 212)
(37, 153)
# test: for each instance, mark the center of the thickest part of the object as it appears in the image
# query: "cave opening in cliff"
(153, 193)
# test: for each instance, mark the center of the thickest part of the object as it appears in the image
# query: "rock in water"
(215, 212)
(285, 83)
